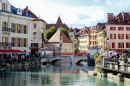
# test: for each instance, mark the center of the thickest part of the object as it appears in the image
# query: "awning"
(34, 49)
(10, 51)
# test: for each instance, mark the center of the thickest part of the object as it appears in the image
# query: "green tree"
(76, 50)
(65, 32)
(50, 32)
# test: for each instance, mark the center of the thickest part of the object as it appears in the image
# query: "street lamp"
(108, 47)
(97, 47)
(108, 50)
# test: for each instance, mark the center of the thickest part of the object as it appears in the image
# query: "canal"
(49, 75)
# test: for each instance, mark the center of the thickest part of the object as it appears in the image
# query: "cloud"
(74, 13)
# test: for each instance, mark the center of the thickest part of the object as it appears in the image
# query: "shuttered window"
(127, 44)
(120, 45)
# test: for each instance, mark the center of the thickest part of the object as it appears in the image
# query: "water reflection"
(59, 75)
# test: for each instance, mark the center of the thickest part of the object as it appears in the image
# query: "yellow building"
(100, 36)
(15, 28)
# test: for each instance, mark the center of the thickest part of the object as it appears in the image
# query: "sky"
(74, 13)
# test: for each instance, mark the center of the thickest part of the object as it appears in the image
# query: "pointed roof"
(56, 37)
(59, 20)
(71, 30)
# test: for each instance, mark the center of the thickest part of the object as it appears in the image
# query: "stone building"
(59, 43)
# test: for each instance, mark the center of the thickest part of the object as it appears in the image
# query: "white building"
(15, 28)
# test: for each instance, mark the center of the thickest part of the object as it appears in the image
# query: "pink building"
(118, 31)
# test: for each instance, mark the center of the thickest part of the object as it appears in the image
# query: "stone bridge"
(71, 59)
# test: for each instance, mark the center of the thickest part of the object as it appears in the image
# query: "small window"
(24, 29)
(34, 25)
(14, 27)
(24, 42)
(34, 35)
(19, 28)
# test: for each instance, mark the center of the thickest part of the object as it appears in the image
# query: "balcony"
(6, 30)
(5, 44)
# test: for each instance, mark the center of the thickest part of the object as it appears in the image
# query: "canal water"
(49, 75)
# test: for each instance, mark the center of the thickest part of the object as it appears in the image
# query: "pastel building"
(83, 39)
(92, 37)
(118, 31)
(59, 43)
(38, 30)
(15, 28)
(100, 36)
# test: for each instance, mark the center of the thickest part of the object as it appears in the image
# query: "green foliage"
(50, 32)
(76, 50)
(75, 44)
(65, 32)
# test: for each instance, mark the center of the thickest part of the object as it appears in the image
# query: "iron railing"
(6, 29)
(6, 44)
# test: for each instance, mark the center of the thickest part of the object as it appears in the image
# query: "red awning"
(10, 51)
(34, 49)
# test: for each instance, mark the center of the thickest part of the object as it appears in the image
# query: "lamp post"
(108, 48)
(97, 47)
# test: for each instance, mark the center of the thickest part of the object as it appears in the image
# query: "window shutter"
(7, 26)
(6, 7)
(15, 41)
(7, 40)
(27, 29)
(11, 27)
(114, 28)
(118, 36)
(118, 28)
(123, 45)
(126, 28)
(110, 28)
(15, 28)
(126, 36)
(126, 45)
(122, 36)
(23, 42)
(26, 42)
(118, 45)
(2, 6)
(123, 28)
(113, 45)
(115, 36)
(110, 36)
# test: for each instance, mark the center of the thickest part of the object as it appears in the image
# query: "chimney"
(26, 10)
(109, 16)
(123, 16)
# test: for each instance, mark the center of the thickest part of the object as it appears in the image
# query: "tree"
(51, 31)
(65, 32)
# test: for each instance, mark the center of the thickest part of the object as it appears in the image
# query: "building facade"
(15, 28)
(100, 36)
(38, 32)
(83, 39)
(59, 43)
(92, 36)
(118, 31)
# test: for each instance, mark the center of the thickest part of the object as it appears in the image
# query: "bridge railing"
(67, 54)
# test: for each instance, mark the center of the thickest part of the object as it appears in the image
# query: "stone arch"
(55, 60)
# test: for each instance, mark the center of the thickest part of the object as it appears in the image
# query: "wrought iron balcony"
(5, 44)
(6, 29)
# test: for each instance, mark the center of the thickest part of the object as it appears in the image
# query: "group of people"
(119, 56)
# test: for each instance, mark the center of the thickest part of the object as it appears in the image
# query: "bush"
(95, 56)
